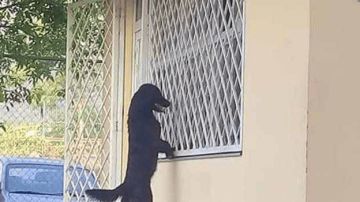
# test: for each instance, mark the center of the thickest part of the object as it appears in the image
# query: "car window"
(1, 171)
(81, 180)
(34, 178)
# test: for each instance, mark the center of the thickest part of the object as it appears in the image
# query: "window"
(196, 59)
(35, 178)
(138, 10)
(1, 176)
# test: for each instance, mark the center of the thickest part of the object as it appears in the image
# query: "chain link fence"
(36, 131)
(33, 135)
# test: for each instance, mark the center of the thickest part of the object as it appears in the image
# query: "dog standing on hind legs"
(144, 146)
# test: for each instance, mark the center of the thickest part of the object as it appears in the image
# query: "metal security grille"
(90, 122)
(196, 58)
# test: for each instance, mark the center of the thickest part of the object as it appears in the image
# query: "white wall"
(334, 102)
(273, 165)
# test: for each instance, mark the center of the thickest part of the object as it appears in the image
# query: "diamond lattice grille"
(88, 108)
(196, 58)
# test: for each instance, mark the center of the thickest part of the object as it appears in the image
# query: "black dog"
(144, 146)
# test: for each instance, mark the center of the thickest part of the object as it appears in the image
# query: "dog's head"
(150, 96)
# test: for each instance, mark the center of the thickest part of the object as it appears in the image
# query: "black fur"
(144, 146)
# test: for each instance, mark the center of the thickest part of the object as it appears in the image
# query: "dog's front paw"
(170, 154)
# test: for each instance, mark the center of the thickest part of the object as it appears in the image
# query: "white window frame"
(232, 33)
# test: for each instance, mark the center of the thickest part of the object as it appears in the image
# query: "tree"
(32, 42)
(32, 47)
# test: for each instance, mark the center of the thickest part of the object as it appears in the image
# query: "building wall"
(273, 164)
(334, 102)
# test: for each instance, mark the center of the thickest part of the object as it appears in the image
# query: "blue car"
(40, 180)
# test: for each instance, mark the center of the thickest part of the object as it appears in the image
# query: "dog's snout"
(166, 103)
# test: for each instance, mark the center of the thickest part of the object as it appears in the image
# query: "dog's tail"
(107, 194)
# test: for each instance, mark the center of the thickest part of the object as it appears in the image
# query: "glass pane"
(43, 179)
(138, 10)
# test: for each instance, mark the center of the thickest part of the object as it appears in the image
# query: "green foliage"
(54, 130)
(48, 92)
(32, 41)
(25, 140)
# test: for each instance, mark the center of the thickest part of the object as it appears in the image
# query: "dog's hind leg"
(142, 194)
(125, 198)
